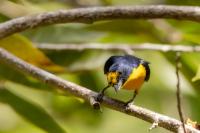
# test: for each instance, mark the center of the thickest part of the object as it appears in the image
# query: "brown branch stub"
(94, 103)
(88, 95)
(90, 15)
(119, 47)
(154, 125)
(178, 91)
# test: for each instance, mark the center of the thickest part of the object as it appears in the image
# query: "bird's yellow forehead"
(112, 77)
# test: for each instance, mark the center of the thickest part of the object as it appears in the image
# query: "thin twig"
(89, 95)
(90, 15)
(178, 93)
(154, 125)
(119, 47)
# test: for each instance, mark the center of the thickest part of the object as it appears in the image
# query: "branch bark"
(120, 47)
(90, 96)
(178, 91)
(90, 15)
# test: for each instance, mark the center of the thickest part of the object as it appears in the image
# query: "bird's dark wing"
(135, 61)
(146, 65)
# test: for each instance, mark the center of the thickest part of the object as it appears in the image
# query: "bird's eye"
(120, 73)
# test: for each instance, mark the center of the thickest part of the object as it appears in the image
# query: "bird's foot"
(100, 97)
(128, 105)
(130, 102)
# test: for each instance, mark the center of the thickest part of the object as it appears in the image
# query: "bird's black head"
(118, 69)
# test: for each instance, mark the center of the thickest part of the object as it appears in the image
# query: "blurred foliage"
(24, 49)
(35, 107)
(31, 112)
(197, 76)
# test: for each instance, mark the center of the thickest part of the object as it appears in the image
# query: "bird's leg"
(101, 94)
(129, 102)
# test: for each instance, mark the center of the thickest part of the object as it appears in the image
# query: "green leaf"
(9, 74)
(197, 76)
(184, 2)
(193, 38)
(3, 18)
(70, 33)
(190, 63)
(30, 111)
(126, 31)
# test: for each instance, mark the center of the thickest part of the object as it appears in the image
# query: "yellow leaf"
(197, 76)
(192, 123)
(12, 10)
(17, 9)
(24, 49)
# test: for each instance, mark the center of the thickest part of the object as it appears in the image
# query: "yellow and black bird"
(127, 72)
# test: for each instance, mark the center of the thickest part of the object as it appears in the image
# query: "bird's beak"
(118, 86)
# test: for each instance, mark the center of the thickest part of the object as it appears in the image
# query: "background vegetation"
(28, 105)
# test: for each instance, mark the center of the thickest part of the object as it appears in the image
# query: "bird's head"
(114, 80)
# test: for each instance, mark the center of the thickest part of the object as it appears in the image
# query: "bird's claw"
(128, 105)
(130, 102)
(100, 97)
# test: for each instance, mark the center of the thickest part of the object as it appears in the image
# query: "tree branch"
(120, 47)
(90, 15)
(88, 95)
(178, 91)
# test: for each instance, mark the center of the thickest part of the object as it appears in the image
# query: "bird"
(125, 72)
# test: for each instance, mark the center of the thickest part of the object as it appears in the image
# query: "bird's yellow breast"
(135, 79)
